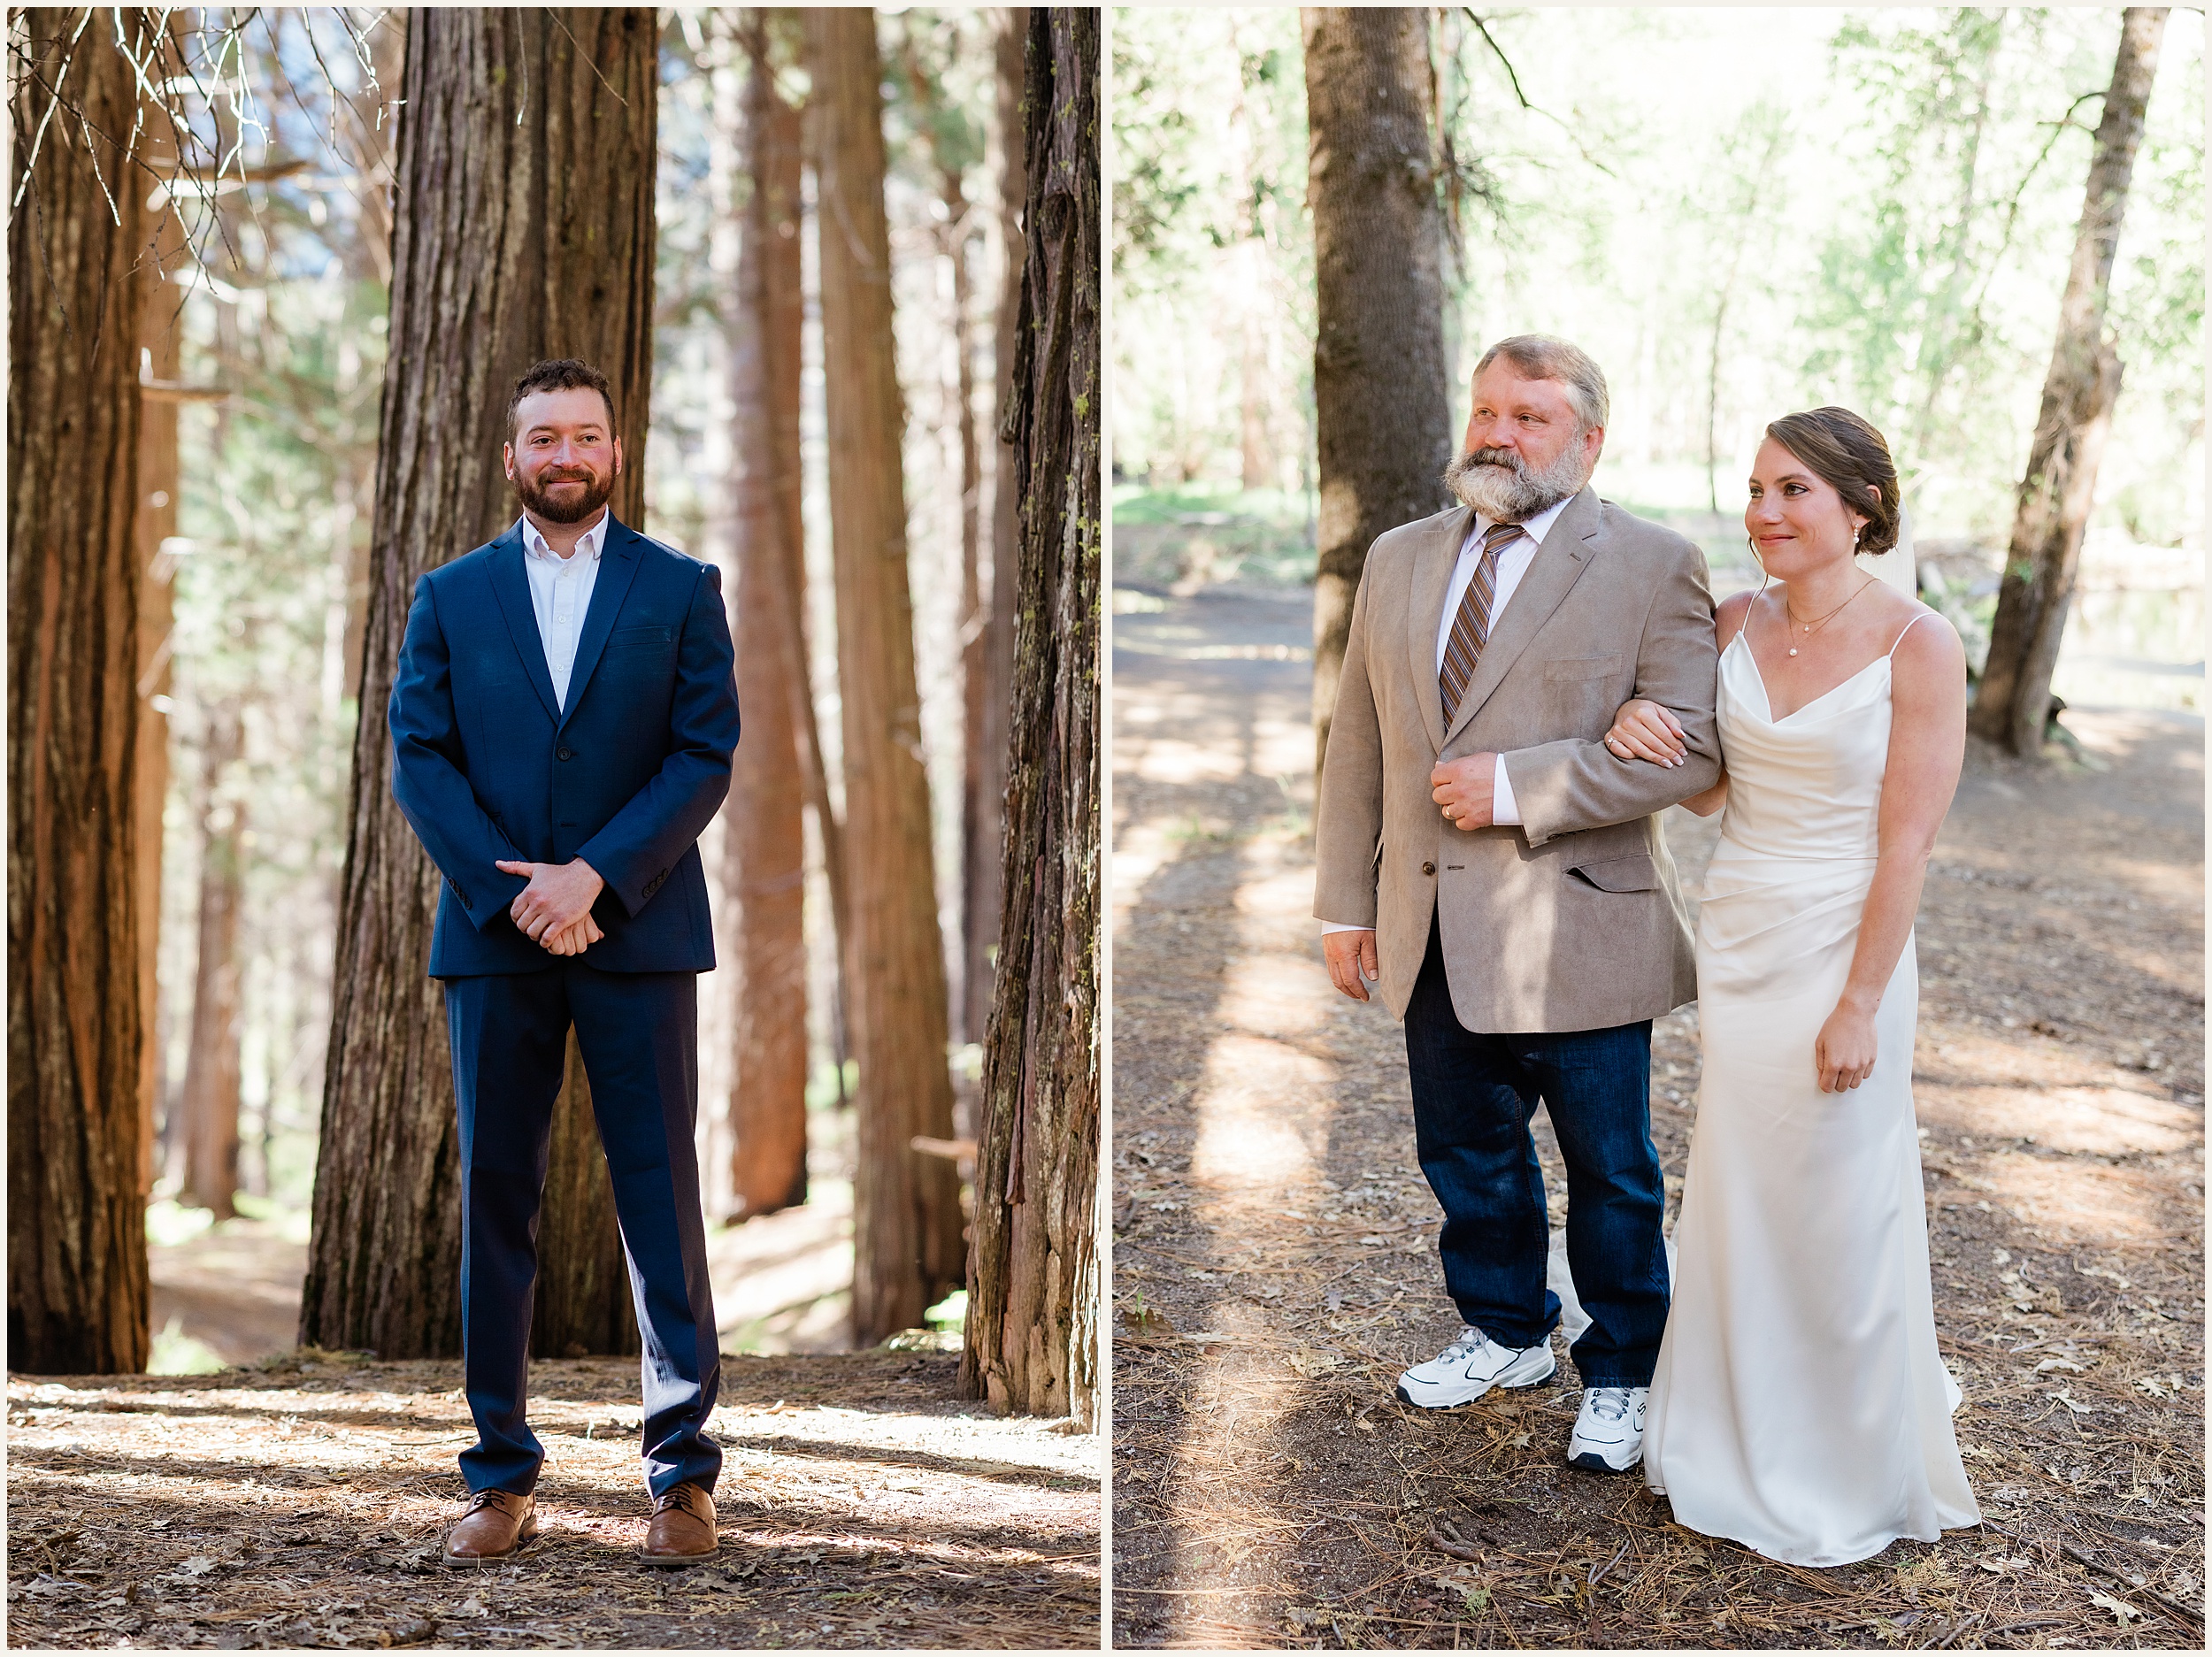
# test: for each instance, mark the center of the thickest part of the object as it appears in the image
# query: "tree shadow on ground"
(1270, 1491)
(889, 1514)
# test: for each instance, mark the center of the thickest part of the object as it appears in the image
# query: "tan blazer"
(1575, 920)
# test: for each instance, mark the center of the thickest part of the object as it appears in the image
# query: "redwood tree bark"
(208, 1102)
(2013, 703)
(77, 1285)
(1033, 1326)
(764, 818)
(523, 230)
(987, 662)
(1379, 398)
(907, 1241)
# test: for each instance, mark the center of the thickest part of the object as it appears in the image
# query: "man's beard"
(1502, 486)
(574, 510)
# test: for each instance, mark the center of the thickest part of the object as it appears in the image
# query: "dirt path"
(1275, 1261)
(863, 1505)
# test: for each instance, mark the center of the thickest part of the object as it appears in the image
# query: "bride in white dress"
(1801, 1405)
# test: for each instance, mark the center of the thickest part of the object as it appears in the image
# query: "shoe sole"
(470, 1561)
(1495, 1386)
(676, 1561)
(1590, 1462)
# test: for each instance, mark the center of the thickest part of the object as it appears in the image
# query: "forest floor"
(301, 1503)
(297, 1498)
(1275, 1242)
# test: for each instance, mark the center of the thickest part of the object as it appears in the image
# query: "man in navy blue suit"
(562, 726)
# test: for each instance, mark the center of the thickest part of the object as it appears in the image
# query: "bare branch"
(1573, 137)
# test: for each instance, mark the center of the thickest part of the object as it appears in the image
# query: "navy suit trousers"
(638, 1033)
(1473, 1097)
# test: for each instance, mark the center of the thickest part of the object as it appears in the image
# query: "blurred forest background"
(1739, 212)
(274, 530)
(264, 354)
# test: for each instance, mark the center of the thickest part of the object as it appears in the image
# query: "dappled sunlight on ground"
(1275, 1244)
(862, 1504)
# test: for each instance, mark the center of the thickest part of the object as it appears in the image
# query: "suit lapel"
(617, 567)
(1558, 564)
(1433, 567)
(510, 586)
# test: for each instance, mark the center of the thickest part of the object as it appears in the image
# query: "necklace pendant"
(1792, 649)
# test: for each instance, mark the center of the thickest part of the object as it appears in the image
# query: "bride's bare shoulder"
(1927, 646)
(1728, 618)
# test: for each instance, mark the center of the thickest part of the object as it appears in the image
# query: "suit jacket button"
(562, 753)
(1428, 869)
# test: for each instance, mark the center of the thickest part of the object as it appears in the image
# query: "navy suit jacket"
(486, 765)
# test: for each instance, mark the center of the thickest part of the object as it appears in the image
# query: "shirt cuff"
(1505, 812)
(1342, 926)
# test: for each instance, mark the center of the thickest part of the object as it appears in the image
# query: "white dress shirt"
(560, 595)
(1513, 563)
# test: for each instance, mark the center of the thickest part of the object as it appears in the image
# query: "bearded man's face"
(564, 458)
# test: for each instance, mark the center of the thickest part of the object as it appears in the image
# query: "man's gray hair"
(1545, 357)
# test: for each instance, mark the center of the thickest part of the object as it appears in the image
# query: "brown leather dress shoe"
(682, 1531)
(497, 1524)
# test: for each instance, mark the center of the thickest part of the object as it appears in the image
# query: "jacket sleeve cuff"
(631, 879)
(486, 900)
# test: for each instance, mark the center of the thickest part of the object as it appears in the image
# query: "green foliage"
(1213, 253)
(1739, 212)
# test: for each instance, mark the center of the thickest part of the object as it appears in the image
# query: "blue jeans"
(1473, 1097)
(638, 1033)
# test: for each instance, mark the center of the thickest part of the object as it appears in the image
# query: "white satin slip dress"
(1801, 1405)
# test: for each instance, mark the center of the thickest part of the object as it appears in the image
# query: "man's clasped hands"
(555, 909)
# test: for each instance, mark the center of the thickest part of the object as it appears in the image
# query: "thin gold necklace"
(1805, 628)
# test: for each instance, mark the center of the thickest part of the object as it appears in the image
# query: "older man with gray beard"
(1499, 873)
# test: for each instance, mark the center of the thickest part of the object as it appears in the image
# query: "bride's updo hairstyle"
(1849, 456)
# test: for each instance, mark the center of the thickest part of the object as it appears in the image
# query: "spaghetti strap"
(1908, 626)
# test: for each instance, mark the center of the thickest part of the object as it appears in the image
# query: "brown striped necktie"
(1470, 628)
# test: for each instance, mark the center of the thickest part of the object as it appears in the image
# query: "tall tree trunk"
(765, 841)
(955, 235)
(2013, 703)
(1379, 388)
(907, 1228)
(523, 230)
(1033, 1327)
(974, 614)
(160, 357)
(986, 659)
(208, 1103)
(77, 1285)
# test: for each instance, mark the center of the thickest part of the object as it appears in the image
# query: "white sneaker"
(1469, 1367)
(1610, 1432)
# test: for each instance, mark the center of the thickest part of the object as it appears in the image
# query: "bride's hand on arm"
(1644, 729)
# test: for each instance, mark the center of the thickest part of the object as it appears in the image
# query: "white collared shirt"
(1513, 560)
(560, 595)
